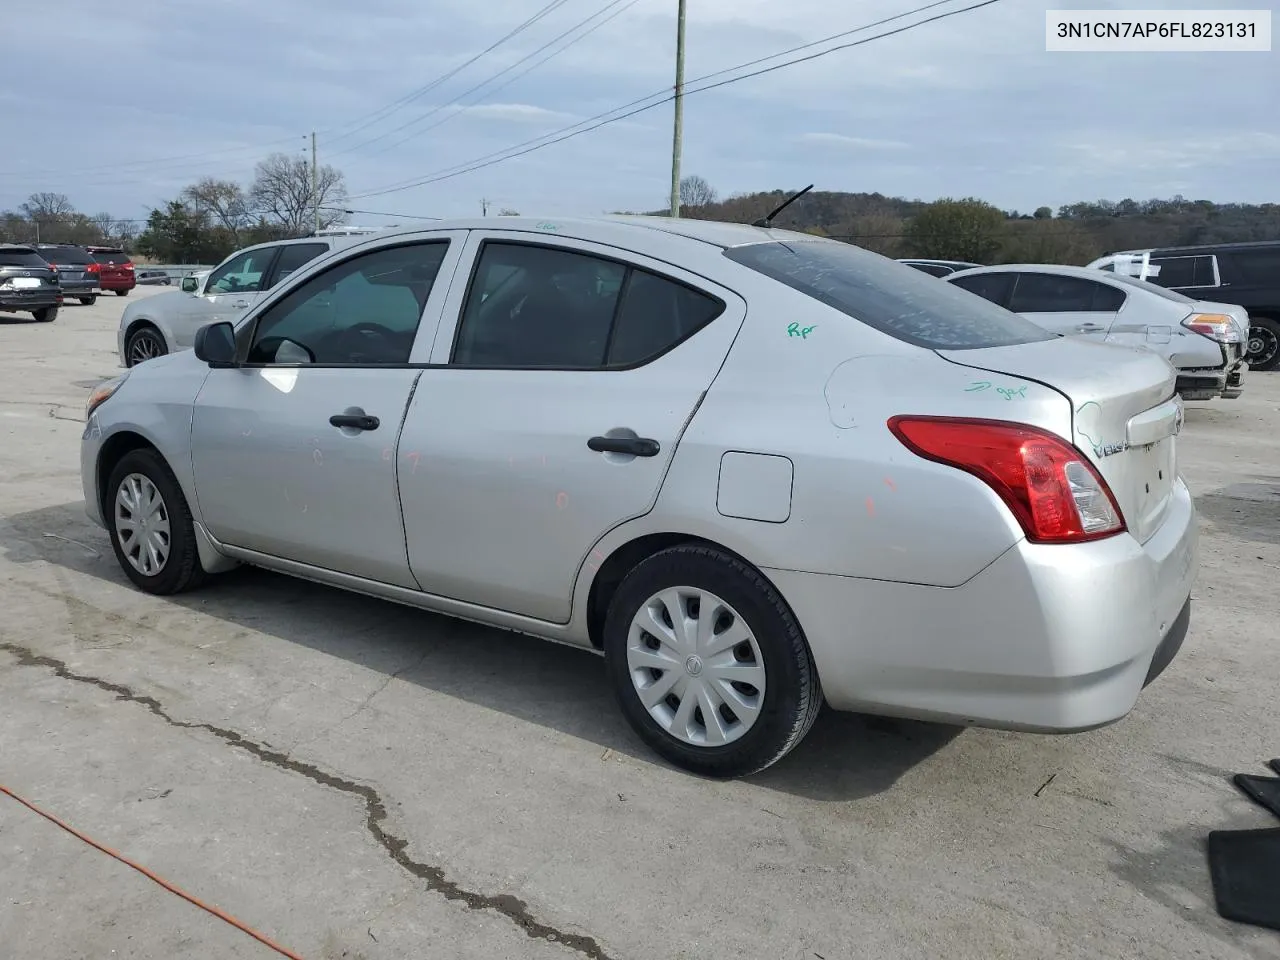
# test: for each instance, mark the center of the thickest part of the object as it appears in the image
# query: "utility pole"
(678, 133)
(484, 207)
(315, 181)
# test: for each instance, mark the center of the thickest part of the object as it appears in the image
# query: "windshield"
(22, 258)
(891, 297)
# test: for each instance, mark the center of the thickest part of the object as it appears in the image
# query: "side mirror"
(190, 284)
(216, 345)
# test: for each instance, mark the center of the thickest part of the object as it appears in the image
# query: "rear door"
(564, 389)
(1068, 305)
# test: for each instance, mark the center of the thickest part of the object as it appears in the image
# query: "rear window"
(110, 256)
(21, 258)
(65, 254)
(891, 297)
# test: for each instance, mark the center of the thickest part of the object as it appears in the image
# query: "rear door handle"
(354, 421)
(240, 304)
(636, 446)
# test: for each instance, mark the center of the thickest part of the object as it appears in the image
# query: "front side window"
(365, 310)
(243, 273)
(887, 296)
(1256, 266)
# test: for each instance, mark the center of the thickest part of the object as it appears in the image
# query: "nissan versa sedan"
(754, 469)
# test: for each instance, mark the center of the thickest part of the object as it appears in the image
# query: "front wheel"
(150, 525)
(144, 344)
(1264, 343)
(708, 663)
(47, 315)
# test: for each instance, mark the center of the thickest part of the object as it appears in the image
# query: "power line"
(404, 101)
(569, 132)
(502, 86)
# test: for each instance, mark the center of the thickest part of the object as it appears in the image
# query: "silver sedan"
(756, 470)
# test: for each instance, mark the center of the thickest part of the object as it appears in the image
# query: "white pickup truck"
(168, 321)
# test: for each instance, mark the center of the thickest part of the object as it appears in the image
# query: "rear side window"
(21, 258)
(296, 255)
(995, 287)
(1184, 271)
(1054, 293)
(538, 306)
(888, 296)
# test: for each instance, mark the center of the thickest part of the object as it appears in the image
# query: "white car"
(1204, 341)
(168, 322)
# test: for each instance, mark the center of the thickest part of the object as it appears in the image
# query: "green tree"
(1044, 213)
(967, 229)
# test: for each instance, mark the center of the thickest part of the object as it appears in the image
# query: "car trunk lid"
(1125, 414)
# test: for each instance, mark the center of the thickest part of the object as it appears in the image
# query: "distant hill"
(1076, 233)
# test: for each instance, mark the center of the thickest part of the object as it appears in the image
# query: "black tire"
(122, 293)
(145, 339)
(46, 315)
(792, 696)
(88, 301)
(1264, 343)
(181, 570)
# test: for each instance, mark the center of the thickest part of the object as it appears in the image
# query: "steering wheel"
(377, 341)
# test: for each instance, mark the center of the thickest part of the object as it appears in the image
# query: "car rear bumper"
(78, 288)
(29, 301)
(120, 283)
(1047, 638)
(1206, 383)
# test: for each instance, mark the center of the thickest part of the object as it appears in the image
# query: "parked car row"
(756, 470)
(79, 272)
(1212, 311)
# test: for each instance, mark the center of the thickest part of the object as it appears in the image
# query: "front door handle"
(354, 421)
(240, 304)
(1090, 328)
(636, 446)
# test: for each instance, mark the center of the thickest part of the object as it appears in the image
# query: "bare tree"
(47, 207)
(222, 201)
(104, 222)
(126, 231)
(281, 193)
(696, 193)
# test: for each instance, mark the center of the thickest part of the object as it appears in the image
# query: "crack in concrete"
(511, 907)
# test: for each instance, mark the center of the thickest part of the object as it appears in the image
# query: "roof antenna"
(768, 221)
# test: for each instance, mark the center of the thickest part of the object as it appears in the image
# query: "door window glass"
(1256, 266)
(995, 287)
(364, 310)
(294, 256)
(1184, 271)
(1053, 293)
(656, 314)
(241, 274)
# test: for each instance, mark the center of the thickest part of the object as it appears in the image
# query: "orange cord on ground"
(220, 914)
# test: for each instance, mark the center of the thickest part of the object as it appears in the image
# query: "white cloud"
(858, 143)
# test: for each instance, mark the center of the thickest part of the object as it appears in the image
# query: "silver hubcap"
(696, 666)
(142, 524)
(144, 347)
(1262, 345)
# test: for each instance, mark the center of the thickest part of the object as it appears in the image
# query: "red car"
(115, 270)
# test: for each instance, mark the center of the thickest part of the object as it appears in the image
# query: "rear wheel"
(150, 525)
(122, 293)
(144, 343)
(88, 301)
(1264, 343)
(708, 663)
(47, 315)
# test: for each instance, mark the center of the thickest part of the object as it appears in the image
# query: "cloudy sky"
(138, 99)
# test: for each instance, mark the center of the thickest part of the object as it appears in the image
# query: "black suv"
(73, 264)
(27, 283)
(1246, 274)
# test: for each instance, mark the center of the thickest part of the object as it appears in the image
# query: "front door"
(294, 452)
(565, 389)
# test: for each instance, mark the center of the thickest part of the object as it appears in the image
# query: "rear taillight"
(93, 268)
(1053, 490)
(1215, 326)
(126, 266)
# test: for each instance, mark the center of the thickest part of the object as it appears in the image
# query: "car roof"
(612, 228)
(17, 248)
(1203, 249)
